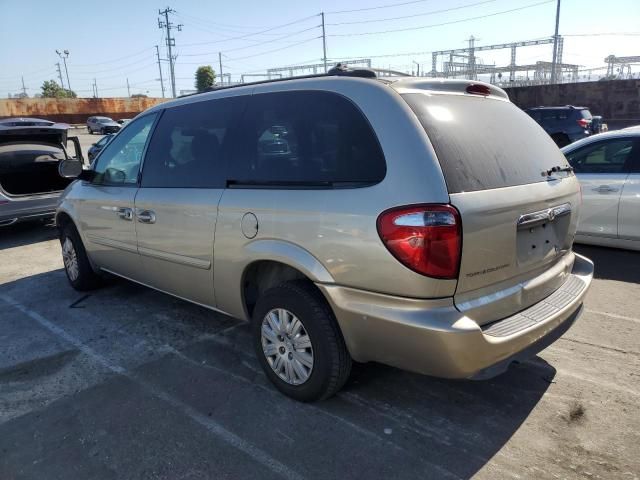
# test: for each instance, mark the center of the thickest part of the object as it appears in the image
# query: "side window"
(186, 150)
(613, 156)
(119, 161)
(555, 115)
(306, 138)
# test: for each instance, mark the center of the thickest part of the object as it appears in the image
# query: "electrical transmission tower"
(171, 42)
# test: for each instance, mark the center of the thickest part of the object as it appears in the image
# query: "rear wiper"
(552, 170)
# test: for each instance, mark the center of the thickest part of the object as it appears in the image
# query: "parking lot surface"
(126, 382)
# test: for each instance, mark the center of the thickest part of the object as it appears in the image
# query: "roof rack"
(340, 70)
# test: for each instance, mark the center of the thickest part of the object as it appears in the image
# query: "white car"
(608, 167)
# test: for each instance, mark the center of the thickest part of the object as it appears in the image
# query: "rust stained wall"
(75, 110)
(618, 101)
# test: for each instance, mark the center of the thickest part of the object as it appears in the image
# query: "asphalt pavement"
(126, 382)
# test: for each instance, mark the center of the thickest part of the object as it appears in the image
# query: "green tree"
(50, 89)
(205, 78)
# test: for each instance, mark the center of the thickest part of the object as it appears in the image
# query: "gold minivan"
(421, 223)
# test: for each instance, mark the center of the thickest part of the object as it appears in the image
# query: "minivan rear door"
(518, 217)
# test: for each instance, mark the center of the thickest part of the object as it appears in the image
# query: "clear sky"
(112, 41)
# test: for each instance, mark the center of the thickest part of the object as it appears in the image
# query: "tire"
(89, 130)
(82, 277)
(330, 360)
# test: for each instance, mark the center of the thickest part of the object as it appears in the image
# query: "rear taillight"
(583, 123)
(425, 238)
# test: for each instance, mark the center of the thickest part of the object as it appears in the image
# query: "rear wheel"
(89, 130)
(76, 263)
(298, 342)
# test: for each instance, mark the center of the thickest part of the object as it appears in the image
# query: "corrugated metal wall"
(75, 110)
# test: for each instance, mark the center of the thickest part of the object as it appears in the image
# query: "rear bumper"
(26, 209)
(432, 337)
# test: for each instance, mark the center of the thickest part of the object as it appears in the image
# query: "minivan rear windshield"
(483, 143)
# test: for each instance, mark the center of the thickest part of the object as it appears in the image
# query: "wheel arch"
(274, 262)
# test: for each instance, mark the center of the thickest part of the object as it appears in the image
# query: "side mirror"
(70, 168)
(93, 144)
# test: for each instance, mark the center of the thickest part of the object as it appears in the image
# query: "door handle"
(146, 216)
(125, 213)
(604, 189)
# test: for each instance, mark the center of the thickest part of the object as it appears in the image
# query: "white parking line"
(203, 420)
(613, 315)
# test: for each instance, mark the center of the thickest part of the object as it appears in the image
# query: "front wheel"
(298, 342)
(76, 263)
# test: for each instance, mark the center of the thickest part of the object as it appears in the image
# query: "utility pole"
(24, 89)
(128, 89)
(418, 73)
(220, 63)
(324, 43)
(160, 70)
(555, 44)
(171, 42)
(64, 55)
(60, 74)
(95, 87)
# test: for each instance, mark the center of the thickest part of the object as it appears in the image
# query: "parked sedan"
(99, 145)
(102, 125)
(608, 167)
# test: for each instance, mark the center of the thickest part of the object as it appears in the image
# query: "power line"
(390, 5)
(612, 34)
(432, 12)
(275, 49)
(123, 74)
(214, 28)
(443, 23)
(115, 59)
(261, 53)
(218, 24)
(252, 34)
(255, 44)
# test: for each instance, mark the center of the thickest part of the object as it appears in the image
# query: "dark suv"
(564, 124)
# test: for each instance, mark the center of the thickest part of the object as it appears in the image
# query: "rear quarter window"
(484, 143)
(306, 138)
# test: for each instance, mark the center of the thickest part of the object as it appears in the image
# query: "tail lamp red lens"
(583, 123)
(425, 238)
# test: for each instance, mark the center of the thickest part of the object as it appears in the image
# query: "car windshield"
(105, 120)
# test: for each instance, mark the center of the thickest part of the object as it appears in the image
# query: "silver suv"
(420, 223)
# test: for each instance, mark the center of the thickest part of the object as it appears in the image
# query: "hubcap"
(287, 346)
(70, 259)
